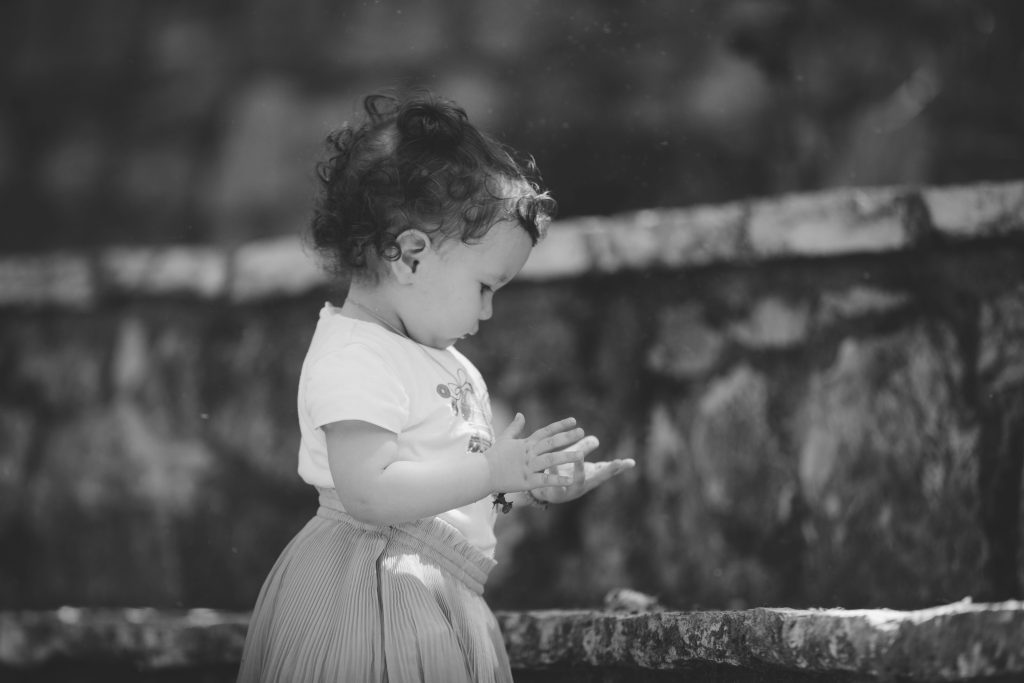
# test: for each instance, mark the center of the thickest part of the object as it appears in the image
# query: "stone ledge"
(813, 225)
(143, 637)
(957, 642)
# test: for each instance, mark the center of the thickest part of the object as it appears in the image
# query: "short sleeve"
(356, 383)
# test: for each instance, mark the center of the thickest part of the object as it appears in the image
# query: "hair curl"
(417, 162)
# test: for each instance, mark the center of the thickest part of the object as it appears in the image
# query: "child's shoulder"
(337, 333)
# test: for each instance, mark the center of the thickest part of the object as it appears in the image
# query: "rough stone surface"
(196, 271)
(858, 303)
(949, 643)
(62, 279)
(887, 455)
(685, 346)
(279, 267)
(774, 324)
(836, 223)
(956, 642)
(843, 221)
(837, 431)
(988, 209)
(145, 637)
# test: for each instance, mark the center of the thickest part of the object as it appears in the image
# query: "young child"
(427, 218)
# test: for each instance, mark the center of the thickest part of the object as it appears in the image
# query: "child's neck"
(373, 306)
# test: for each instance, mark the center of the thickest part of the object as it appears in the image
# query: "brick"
(827, 223)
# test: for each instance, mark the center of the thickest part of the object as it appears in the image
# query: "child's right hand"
(520, 464)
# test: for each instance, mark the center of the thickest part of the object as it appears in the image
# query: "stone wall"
(957, 642)
(823, 393)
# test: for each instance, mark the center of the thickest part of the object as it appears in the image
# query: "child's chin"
(438, 343)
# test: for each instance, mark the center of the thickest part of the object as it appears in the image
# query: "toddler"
(426, 218)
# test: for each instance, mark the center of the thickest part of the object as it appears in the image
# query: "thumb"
(514, 429)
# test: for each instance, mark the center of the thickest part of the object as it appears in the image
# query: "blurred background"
(843, 432)
(192, 122)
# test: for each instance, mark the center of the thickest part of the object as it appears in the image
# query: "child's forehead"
(498, 234)
(497, 253)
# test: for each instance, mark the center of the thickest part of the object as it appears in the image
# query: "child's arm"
(378, 488)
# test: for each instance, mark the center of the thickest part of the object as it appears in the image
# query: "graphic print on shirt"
(465, 404)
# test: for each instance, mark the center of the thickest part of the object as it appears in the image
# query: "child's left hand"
(586, 475)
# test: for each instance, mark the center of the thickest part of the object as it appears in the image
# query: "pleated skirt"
(348, 601)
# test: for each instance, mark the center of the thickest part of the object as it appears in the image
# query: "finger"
(548, 460)
(622, 465)
(514, 429)
(576, 471)
(544, 479)
(586, 445)
(564, 468)
(579, 478)
(601, 472)
(558, 441)
(542, 494)
(553, 428)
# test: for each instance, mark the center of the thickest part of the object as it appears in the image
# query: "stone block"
(665, 238)
(273, 268)
(115, 477)
(888, 467)
(164, 271)
(956, 642)
(827, 223)
(642, 240)
(960, 641)
(774, 323)
(562, 254)
(733, 449)
(685, 345)
(977, 211)
(857, 302)
(1001, 356)
(55, 278)
(144, 637)
(58, 366)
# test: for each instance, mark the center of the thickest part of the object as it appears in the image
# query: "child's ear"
(414, 245)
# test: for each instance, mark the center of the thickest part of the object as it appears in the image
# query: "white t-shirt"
(434, 400)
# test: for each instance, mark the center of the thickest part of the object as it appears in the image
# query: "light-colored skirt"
(348, 601)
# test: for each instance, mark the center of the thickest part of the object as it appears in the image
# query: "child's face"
(455, 284)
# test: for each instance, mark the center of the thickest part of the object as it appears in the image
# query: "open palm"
(586, 475)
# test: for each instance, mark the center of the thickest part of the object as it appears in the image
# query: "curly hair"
(417, 162)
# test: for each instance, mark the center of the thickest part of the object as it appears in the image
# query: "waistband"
(435, 539)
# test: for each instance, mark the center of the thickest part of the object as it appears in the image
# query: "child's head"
(417, 163)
